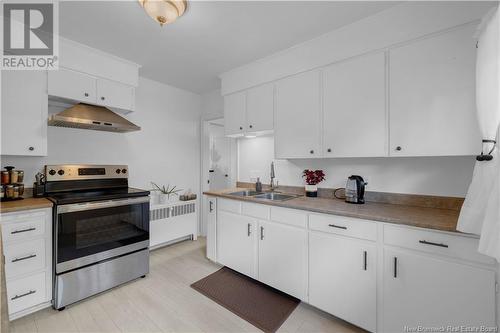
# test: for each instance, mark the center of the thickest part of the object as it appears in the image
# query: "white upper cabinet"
(354, 94)
(115, 94)
(298, 116)
(235, 113)
(79, 87)
(432, 96)
(72, 85)
(260, 108)
(250, 111)
(24, 113)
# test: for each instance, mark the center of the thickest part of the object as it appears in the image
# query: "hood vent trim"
(91, 117)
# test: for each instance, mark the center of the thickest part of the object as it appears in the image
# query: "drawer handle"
(211, 204)
(22, 230)
(24, 258)
(395, 267)
(249, 229)
(365, 260)
(431, 243)
(22, 295)
(337, 226)
(261, 233)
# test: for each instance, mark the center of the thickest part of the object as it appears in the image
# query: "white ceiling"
(211, 38)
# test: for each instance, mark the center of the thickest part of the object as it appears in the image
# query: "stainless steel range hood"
(92, 117)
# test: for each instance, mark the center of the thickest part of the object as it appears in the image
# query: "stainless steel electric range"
(101, 230)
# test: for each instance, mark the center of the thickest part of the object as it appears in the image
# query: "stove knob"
(118, 171)
(124, 170)
(52, 172)
(60, 172)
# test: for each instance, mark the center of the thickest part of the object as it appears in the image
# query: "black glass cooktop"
(63, 198)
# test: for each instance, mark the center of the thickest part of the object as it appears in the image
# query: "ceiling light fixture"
(164, 11)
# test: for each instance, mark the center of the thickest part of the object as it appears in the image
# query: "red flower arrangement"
(313, 177)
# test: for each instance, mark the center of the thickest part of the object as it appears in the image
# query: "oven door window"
(88, 232)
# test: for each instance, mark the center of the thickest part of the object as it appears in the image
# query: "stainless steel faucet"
(273, 175)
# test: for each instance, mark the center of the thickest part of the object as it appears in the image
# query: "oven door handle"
(100, 204)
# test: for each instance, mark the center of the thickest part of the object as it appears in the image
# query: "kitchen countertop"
(26, 204)
(421, 217)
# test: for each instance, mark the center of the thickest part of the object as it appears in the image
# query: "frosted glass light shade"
(164, 11)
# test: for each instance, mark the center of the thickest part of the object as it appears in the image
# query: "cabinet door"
(115, 94)
(235, 113)
(282, 258)
(432, 97)
(24, 113)
(342, 278)
(354, 112)
(429, 292)
(211, 228)
(297, 128)
(236, 242)
(72, 85)
(260, 108)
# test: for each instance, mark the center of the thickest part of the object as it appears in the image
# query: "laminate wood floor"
(165, 302)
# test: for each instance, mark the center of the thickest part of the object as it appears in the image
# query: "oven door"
(86, 233)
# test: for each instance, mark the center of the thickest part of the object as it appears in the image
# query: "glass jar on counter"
(14, 176)
(5, 177)
(16, 192)
(20, 189)
(20, 176)
(9, 191)
(2, 192)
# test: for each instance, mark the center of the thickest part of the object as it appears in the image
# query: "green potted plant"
(165, 192)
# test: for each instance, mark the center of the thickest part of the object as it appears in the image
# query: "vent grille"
(172, 211)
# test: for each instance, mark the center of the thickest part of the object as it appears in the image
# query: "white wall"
(166, 150)
(446, 176)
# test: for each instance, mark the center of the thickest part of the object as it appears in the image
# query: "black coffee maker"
(355, 190)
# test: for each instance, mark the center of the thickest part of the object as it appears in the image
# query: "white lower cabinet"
(283, 258)
(426, 291)
(343, 278)
(236, 242)
(27, 247)
(378, 276)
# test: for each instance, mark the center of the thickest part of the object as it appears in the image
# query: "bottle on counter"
(258, 185)
(20, 176)
(5, 177)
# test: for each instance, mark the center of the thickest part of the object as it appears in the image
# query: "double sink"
(273, 196)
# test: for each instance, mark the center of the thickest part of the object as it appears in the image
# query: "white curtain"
(480, 213)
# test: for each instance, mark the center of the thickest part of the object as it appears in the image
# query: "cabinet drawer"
(435, 242)
(227, 205)
(346, 226)
(255, 210)
(289, 216)
(24, 228)
(26, 292)
(24, 257)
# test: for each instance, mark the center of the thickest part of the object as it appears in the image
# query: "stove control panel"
(84, 172)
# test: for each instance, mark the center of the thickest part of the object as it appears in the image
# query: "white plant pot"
(311, 190)
(162, 198)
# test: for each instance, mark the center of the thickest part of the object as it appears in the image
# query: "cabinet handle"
(312, 151)
(261, 233)
(211, 206)
(22, 230)
(432, 243)
(241, 127)
(102, 98)
(398, 148)
(23, 258)
(22, 295)
(31, 148)
(249, 229)
(86, 94)
(395, 267)
(337, 226)
(250, 126)
(329, 150)
(365, 260)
